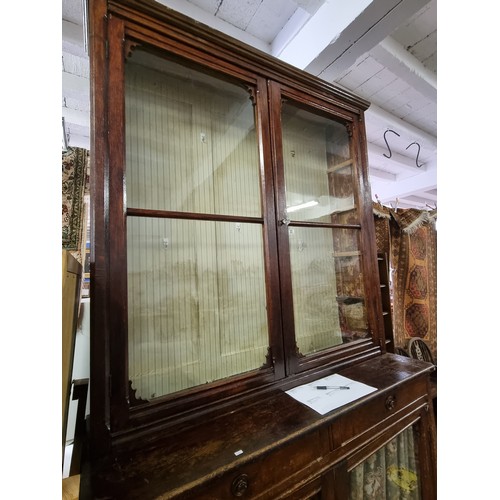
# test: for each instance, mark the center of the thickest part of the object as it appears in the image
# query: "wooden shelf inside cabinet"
(338, 166)
(385, 292)
(348, 299)
(353, 253)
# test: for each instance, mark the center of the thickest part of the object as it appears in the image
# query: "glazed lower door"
(391, 473)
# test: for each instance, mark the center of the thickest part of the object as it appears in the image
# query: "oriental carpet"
(75, 182)
(409, 237)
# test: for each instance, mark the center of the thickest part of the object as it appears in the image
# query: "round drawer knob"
(390, 402)
(239, 486)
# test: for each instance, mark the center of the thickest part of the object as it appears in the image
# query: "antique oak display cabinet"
(233, 259)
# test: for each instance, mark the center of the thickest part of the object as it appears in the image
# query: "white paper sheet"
(322, 400)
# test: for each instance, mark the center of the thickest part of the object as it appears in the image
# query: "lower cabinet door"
(391, 472)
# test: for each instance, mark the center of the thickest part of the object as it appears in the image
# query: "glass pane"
(318, 168)
(390, 473)
(196, 303)
(327, 284)
(191, 144)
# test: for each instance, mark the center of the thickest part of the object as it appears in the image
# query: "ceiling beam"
(289, 31)
(392, 55)
(78, 117)
(376, 114)
(78, 141)
(75, 86)
(421, 198)
(73, 39)
(407, 203)
(382, 174)
(320, 30)
(427, 195)
(375, 23)
(194, 12)
(385, 191)
(376, 158)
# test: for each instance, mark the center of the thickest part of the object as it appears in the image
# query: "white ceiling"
(382, 50)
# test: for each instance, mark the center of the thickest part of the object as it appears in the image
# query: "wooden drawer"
(376, 413)
(272, 475)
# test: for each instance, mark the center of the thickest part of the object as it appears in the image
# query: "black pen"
(324, 387)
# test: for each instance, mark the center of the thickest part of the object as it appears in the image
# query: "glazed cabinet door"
(399, 469)
(326, 257)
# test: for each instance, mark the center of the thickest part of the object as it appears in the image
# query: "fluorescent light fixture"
(307, 204)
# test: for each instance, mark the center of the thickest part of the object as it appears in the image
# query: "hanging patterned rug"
(382, 219)
(74, 178)
(414, 253)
